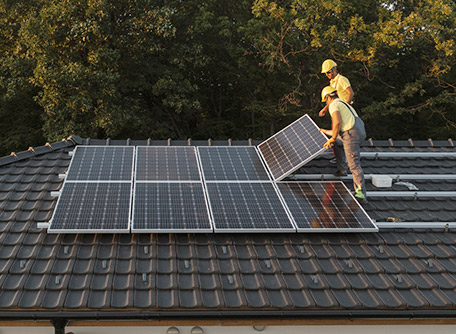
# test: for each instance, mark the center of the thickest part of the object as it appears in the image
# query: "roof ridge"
(46, 148)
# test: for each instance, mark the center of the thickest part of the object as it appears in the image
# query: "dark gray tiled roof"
(411, 269)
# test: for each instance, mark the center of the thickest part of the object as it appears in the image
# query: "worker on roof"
(337, 81)
(347, 134)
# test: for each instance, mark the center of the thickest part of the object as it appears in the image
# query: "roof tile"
(144, 298)
(443, 281)
(369, 299)
(189, 298)
(30, 299)
(212, 298)
(257, 298)
(390, 298)
(358, 281)
(122, 299)
(101, 282)
(346, 298)
(206, 266)
(76, 299)
(209, 282)
(279, 298)
(234, 298)
(324, 298)
(301, 298)
(123, 282)
(166, 282)
(380, 281)
(79, 282)
(413, 298)
(273, 282)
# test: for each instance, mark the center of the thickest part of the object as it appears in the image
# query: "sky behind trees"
(221, 68)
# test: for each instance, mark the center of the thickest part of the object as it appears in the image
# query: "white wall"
(355, 329)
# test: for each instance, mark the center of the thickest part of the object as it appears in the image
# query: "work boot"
(340, 173)
(360, 197)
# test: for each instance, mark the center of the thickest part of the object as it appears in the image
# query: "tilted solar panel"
(170, 207)
(228, 163)
(166, 163)
(324, 207)
(101, 163)
(92, 207)
(292, 147)
(247, 207)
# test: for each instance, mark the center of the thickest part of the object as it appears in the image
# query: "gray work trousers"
(349, 142)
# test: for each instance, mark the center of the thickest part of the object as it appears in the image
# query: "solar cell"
(247, 207)
(92, 207)
(166, 163)
(101, 163)
(324, 207)
(292, 147)
(170, 207)
(228, 163)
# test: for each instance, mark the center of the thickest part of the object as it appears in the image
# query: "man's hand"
(323, 111)
(329, 143)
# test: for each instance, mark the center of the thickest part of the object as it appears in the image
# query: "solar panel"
(101, 163)
(247, 207)
(240, 163)
(92, 207)
(292, 147)
(324, 207)
(166, 163)
(170, 207)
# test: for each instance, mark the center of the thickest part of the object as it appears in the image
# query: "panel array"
(324, 207)
(240, 163)
(96, 195)
(169, 195)
(292, 147)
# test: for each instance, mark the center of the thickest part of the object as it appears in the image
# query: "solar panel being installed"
(247, 207)
(240, 163)
(292, 147)
(101, 163)
(166, 163)
(170, 207)
(324, 207)
(92, 207)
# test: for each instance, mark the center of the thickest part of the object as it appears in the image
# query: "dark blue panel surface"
(232, 164)
(325, 206)
(292, 147)
(101, 163)
(247, 207)
(166, 163)
(95, 206)
(168, 207)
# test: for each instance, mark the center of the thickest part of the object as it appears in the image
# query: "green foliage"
(220, 68)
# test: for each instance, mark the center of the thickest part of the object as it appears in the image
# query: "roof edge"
(226, 314)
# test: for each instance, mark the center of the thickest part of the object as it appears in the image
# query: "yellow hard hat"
(327, 65)
(327, 90)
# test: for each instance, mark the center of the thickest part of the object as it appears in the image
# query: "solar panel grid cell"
(168, 207)
(232, 164)
(163, 163)
(247, 207)
(324, 206)
(101, 163)
(292, 147)
(93, 207)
